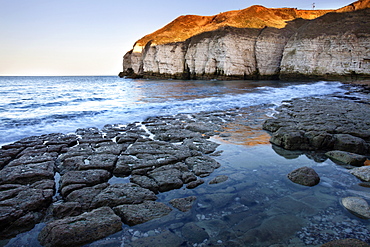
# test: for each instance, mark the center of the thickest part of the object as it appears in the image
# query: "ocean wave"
(67, 103)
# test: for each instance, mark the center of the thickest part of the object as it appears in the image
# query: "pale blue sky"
(89, 37)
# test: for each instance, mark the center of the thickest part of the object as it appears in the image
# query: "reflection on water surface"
(257, 205)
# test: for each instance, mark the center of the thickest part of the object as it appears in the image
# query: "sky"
(90, 37)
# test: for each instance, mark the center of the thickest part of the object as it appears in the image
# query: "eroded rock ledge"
(322, 124)
(103, 177)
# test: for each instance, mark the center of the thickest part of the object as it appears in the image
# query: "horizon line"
(50, 75)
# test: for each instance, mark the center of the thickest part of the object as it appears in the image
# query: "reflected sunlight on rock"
(244, 135)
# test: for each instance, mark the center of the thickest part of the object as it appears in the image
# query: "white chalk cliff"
(258, 43)
(337, 44)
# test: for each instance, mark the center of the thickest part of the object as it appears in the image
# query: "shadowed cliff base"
(188, 76)
(346, 78)
(272, 44)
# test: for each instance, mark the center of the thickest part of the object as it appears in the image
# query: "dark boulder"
(305, 176)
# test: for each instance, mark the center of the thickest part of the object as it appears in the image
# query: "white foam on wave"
(94, 102)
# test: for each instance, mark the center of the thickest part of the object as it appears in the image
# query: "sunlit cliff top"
(255, 16)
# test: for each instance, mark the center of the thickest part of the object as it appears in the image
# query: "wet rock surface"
(166, 238)
(322, 124)
(133, 214)
(134, 173)
(58, 177)
(193, 233)
(27, 174)
(27, 182)
(357, 206)
(219, 179)
(21, 206)
(304, 176)
(118, 194)
(347, 158)
(82, 229)
(183, 204)
(256, 206)
(362, 173)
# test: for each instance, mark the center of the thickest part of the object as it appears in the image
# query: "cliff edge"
(258, 43)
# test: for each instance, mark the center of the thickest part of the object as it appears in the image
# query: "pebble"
(322, 229)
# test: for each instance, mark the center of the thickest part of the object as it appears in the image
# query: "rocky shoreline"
(83, 186)
(339, 125)
(322, 124)
(69, 180)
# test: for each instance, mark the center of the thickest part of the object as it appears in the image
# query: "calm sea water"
(40, 105)
(257, 206)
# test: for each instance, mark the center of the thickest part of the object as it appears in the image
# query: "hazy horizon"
(89, 38)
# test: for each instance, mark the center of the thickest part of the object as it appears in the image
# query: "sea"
(61, 104)
(257, 206)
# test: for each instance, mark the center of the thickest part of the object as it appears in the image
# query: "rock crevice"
(117, 170)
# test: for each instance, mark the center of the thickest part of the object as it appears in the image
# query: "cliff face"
(226, 51)
(165, 59)
(257, 43)
(332, 46)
